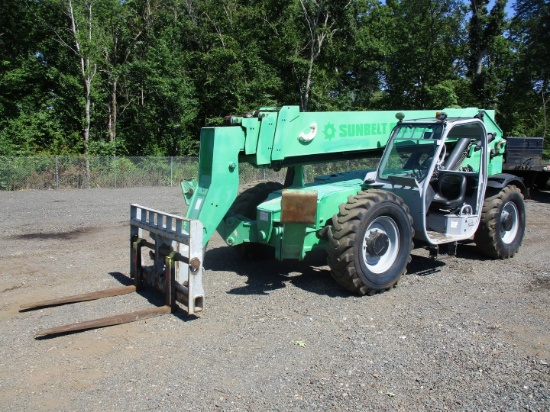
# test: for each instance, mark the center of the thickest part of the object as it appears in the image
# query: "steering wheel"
(421, 170)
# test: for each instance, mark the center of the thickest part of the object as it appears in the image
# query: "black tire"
(245, 204)
(502, 225)
(368, 266)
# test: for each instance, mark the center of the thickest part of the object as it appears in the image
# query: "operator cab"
(439, 168)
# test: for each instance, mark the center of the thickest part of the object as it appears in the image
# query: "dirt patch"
(69, 235)
(540, 283)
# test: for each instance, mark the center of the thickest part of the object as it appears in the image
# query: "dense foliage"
(141, 77)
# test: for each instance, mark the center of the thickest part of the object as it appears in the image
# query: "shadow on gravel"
(268, 275)
(423, 266)
(122, 278)
(468, 251)
(152, 296)
(311, 275)
(70, 235)
(540, 196)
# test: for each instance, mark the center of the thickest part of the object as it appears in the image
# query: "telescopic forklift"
(439, 182)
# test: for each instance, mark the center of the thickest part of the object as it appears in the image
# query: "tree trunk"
(304, 99)
(87, 129)
(316, 20)
(113, 112)
(88, 72)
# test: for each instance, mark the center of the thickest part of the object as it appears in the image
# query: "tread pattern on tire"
(342, 237)
(487, 236)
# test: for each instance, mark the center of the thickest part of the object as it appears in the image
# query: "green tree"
(346, 74)
(422, 42)
(124, 27)
(84, 44)
(532, 23)
(485, 37)
(523, 108)
(156, 94)
(27, 87)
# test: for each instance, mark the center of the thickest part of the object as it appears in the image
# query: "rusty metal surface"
(79, 298)
(299, 206)
(195, 264)
(104, 322)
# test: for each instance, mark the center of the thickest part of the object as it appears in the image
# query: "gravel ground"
(464, 334)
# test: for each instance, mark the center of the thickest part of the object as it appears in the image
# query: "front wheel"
(370, 242)
(502, 225)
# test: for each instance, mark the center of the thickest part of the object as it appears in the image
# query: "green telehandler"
(439, 181)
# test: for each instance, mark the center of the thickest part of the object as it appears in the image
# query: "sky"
(510, 8)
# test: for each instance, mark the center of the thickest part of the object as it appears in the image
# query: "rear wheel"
(502, 225)
(370, 242)
(245, 205)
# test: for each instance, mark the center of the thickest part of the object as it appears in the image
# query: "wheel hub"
(507, 221)
(380, 245)
(377, 243)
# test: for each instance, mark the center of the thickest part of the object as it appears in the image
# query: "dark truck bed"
(523, 158)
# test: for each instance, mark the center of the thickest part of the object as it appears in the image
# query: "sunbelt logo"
(332, 131)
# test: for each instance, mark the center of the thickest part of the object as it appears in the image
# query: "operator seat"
(451, 191)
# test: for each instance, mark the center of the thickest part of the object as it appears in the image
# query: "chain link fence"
(74, 172)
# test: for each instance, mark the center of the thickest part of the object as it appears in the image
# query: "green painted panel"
(252, 128)
(266, 137)
(293, 241)
(218, 176)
